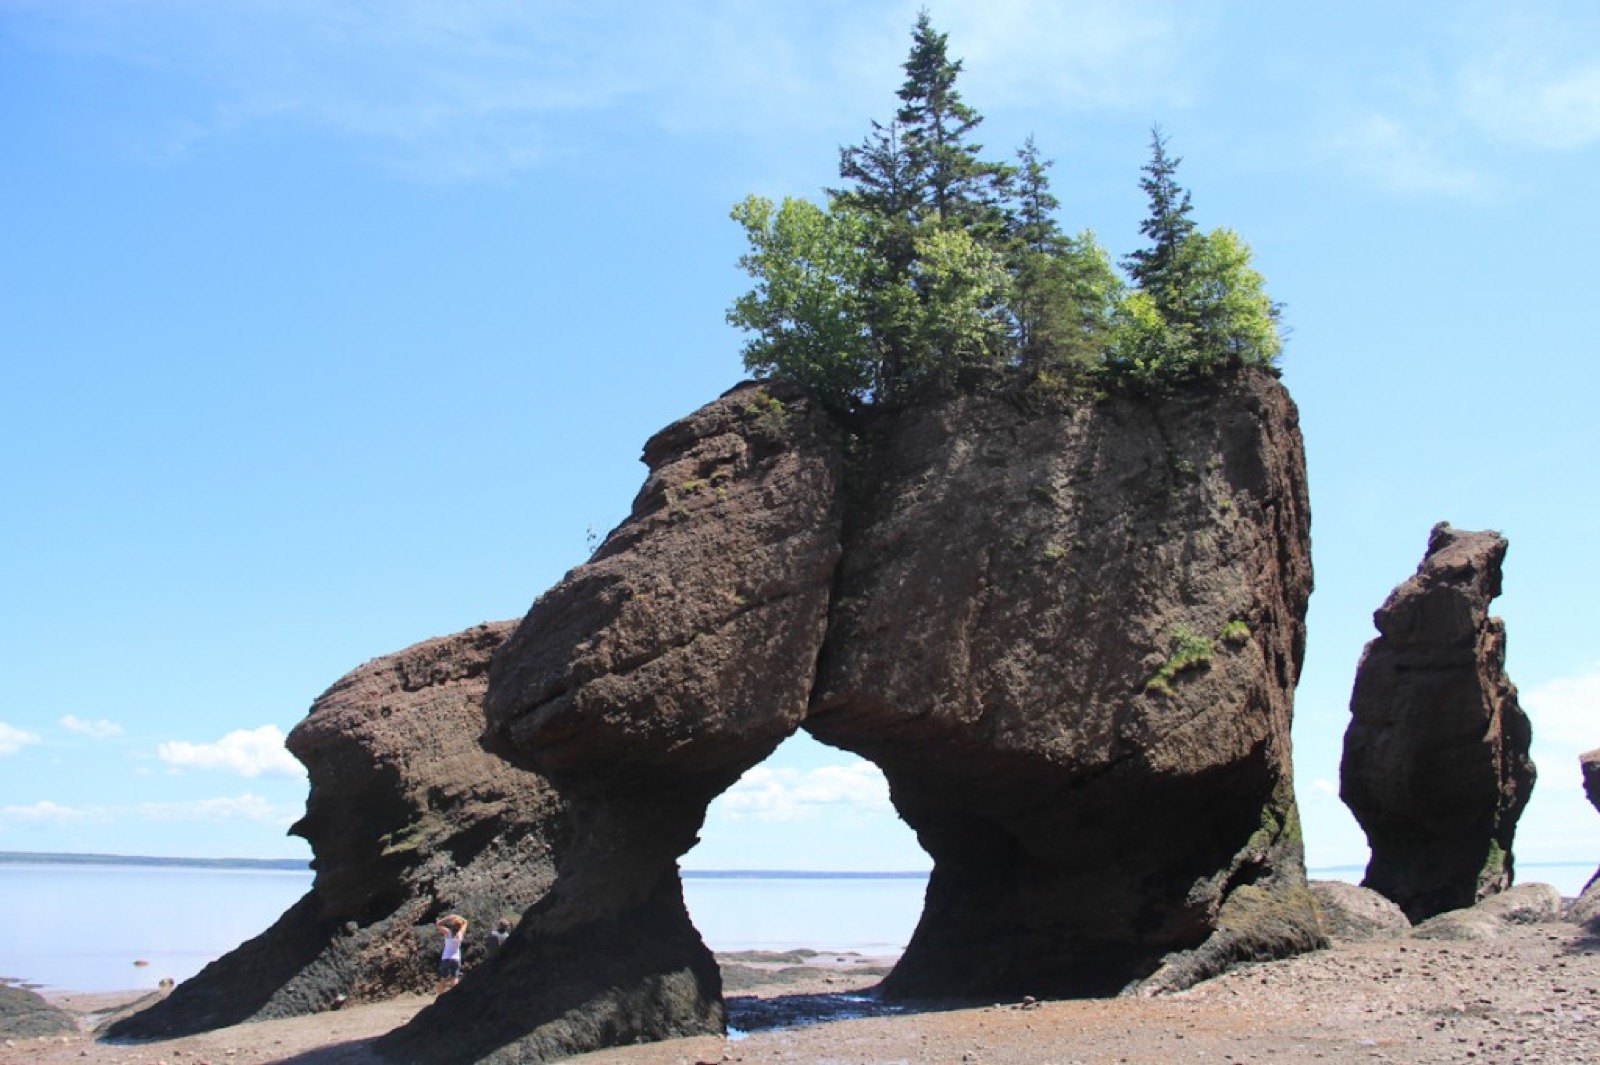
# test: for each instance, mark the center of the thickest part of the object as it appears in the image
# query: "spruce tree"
(956, 185)
(1167, 226)
(1034, 212)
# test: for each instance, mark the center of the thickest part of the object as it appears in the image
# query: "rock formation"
(1436, 765)
(1070, 639)
(1071, 642)
(409, 818)
(26, 1015)
(1352, 914)
(643, 685)
(1587, 907)
(1521, 905)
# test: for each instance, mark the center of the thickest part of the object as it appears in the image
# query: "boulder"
(1352, 914)
(1521, 905)
(1436, 766)
(409, 818)
(27, 1015)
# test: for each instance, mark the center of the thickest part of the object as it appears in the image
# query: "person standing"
(454, 928)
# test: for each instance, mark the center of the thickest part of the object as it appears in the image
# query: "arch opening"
(806, 852)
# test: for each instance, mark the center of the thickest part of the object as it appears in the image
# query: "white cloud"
(249, 753)
(1323, 788)
(483, 88)
(44, 812)
(1566, 714)
(13, 739)
(1090, 54)
(246, 807)
(766, 794)
(1534, 79)
(1390, 153)
(97, 730)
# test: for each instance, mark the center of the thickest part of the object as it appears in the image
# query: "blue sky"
(330, 326)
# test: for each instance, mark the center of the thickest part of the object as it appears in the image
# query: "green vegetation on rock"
(1190, 651)
(933, 270)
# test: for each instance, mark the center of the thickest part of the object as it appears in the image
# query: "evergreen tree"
(1167, 226)
(955, 184)
(882, 182)
(1034, 214)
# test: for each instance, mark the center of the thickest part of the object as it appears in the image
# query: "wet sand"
(1530, 994)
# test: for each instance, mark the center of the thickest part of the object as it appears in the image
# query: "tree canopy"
(932, 269)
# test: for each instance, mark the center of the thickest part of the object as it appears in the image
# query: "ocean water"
(84, 927)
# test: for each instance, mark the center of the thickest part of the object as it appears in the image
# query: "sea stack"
(1587, 908)
(1436, 766)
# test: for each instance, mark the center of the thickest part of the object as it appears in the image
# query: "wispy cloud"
(246, 807)
(1391, 153)
(1533, 78)
(1563, 714)
(247, 752)
(1564, 726)
(14, 739)
(100, 729)
(482, 88)
(1095, 54)
(765, 794)
(42, 813)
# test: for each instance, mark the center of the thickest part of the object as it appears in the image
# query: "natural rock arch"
(1069, 638)
(985, 603)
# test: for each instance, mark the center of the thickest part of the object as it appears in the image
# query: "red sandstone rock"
(1436, 766)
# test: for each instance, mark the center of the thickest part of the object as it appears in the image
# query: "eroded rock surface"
(1586, 910)
(1068, 638)
(25, 1014)
(1521, 905)
(409, 818)
(1352, 914)
(644, 684)
(1071, 640)
(1436, 766)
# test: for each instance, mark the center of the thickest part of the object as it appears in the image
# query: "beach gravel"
(1530, 994)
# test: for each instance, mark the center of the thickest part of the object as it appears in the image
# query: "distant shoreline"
(298, 865)
(304, 865)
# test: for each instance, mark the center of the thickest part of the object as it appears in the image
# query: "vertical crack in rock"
(1436, 766)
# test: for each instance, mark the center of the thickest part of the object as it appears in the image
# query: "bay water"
(84, 927)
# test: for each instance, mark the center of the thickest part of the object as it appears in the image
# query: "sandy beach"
(1531, 993)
